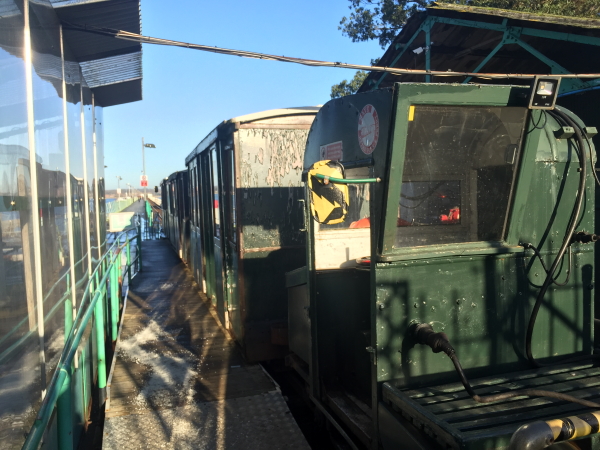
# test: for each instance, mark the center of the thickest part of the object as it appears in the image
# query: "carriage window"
(197, 192)
(192, 194)
(458, 172)
(215, 189)
(359, 197)
(232, 210)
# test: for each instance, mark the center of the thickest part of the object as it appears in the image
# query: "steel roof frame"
(511, 36)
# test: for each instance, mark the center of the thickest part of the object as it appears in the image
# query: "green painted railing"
(103, 281)
(153, 228)
(118, 205)
(66, 277)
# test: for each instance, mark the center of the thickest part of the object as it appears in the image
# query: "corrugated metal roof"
(112, 67)
(580, 22)
(462, 37)
(111, 70)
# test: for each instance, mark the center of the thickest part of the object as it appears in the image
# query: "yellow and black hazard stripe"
(575, 426)
(328, 201)
(540, 434)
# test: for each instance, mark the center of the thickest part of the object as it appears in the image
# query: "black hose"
(587, 140)
(539, 256)
(439, 342)
(567, 241)
(519, 393)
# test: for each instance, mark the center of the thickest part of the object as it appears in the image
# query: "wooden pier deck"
(179, 381)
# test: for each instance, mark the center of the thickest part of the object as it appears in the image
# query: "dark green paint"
(243, 266)
(479, 293)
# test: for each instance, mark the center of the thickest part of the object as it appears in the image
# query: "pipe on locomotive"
(542, 434)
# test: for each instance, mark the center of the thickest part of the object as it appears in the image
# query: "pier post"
(139, 248)
(68, 307)
(64, 414)
(114, 299)
(128, 253)
(100, 344)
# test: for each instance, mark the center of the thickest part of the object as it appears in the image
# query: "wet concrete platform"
(179, 381)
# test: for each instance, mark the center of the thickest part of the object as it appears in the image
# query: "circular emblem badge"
(368, 129)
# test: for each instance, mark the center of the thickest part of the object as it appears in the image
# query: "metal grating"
(258, 422)
(447, 413)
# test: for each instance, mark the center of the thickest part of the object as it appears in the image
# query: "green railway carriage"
(176, 211)
(245, 220)
(454, 190)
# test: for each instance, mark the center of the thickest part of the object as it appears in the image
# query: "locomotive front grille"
(447, 413)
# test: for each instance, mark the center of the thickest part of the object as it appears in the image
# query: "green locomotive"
(452, 217)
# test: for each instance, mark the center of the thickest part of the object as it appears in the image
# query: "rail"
(153, 229)
(118, 205)
(95, 301)
(4, 355)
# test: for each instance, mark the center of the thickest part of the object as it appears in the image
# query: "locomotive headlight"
(545, 88)
(544, 92)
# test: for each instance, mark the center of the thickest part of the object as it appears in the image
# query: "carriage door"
(218, 238)
(196, 253)
(231, 242)
(206, 224)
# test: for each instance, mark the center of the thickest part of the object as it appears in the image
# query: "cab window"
(359, 198)
(458, 173)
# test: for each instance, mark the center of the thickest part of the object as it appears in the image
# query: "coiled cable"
(561, 117)
(438, 342)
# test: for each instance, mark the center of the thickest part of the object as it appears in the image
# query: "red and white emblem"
(368, 129)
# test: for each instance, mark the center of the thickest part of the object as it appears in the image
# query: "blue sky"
(187, 92)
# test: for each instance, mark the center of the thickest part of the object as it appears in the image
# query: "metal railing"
(118, 205)
(18, 344)
(103, 281)
(153, 228)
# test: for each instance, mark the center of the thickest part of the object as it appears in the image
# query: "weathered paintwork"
(245, 221)
(479, 292)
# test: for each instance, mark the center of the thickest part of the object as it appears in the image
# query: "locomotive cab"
(437, 214)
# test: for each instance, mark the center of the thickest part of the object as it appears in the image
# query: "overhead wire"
(135, 37)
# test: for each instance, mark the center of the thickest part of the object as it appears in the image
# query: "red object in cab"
(453, 216)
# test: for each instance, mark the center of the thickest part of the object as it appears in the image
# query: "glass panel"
(197, 203)
(232, 209)
(73, 80)
(51, 178)
(430, 203)
(172, 196)
(359, 198)
(20, 389)
(191, 186)
(458, 172)
(198, 200)
(89, 155)
(99, 128)
(215, 187)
